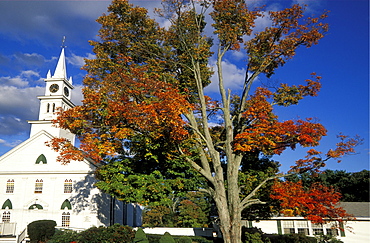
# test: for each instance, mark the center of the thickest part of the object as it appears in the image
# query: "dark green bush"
(65, 236)
(184, 239)
(114, 233)
(254, 235)
(292, 238)
(167, 238)
(41, 231)
(178, 239)
(140, 236)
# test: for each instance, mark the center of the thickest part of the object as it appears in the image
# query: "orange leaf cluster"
(344, 147)
(265, 133)
(291, 95)
(126, 102)
(318, 203)
(278, 43)
(314, 161)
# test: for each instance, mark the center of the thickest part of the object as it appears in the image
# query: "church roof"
(20, 159)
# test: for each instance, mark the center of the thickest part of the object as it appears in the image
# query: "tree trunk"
(229, 215)
(230, 225)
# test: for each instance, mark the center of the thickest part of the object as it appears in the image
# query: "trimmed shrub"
(140, 236)
(41, 231)
(114, 233)
(167, 238)
(254, 235)
(63, 236)
(292, 238)
(196, 239)
(184, 239)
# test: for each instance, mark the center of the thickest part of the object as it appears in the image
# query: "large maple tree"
(145, 114)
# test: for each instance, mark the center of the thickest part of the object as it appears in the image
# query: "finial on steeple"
(63, 41)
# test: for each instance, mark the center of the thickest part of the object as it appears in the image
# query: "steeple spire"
(60, 70)
(57, 96)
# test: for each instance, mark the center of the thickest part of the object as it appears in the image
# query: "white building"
(34, 186)
(354, 231)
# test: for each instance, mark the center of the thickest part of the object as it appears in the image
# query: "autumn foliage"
(318, 203)
(146, 118)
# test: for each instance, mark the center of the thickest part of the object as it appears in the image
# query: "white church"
(34, 186)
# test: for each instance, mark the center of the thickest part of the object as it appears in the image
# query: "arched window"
(10, 186)
(53, 107)
(6, 217)
(48, 108)
(35, 206)
(66, 219)
(41, 159)
(68, 186)
(7, 204)
(38, 186)
(66, 204)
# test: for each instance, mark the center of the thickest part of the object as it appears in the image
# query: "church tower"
(57, 95)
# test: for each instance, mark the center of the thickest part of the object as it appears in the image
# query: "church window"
(10, 186)
(38, 186)
(7, 204)
(6, 217)
(66, 204)
(48, 108)
(35, 206)
(53, 107)
(68, 186)
(66, 218)
(41, 159)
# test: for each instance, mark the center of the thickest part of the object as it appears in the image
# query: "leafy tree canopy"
(146, 116)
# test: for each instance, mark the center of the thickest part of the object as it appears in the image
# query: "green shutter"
(341, 229)
(8, 204)
(42, 159)
(280, 232)
(65, 204)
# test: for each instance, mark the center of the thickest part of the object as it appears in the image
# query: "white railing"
(7, 228)
(22, 236)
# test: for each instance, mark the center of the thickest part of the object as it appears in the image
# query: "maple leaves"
(318, 203)
(290, 95)
(277, 44)
(263, 132)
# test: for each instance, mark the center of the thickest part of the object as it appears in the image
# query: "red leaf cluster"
(318, 203)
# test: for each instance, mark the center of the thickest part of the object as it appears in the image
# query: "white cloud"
(21, 80)
(79, 61)
(29, 73)
(77, 95)
(233, 77)
(311, 6)
(9, 144)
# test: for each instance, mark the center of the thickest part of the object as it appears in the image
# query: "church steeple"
(61, 70)
(57, 96)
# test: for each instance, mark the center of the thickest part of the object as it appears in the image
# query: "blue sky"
(31, 34)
